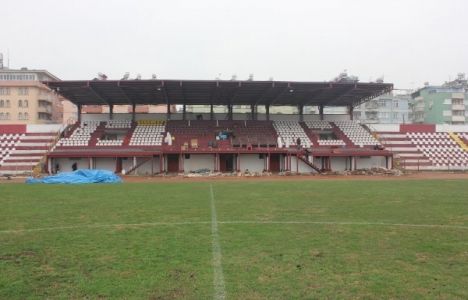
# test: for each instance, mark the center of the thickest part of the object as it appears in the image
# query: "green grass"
(357, 257)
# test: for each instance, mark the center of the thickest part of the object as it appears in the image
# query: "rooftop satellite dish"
(126, 76)
(102, 76)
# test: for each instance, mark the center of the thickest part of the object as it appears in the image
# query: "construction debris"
(372, 172)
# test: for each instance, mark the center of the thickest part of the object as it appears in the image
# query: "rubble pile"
(373, 171)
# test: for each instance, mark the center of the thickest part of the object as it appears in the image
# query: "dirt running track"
(411, 176)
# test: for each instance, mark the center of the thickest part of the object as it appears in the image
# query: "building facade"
(391, 108)
(25, 100)
(445, 104)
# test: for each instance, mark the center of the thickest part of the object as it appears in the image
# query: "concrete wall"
(45, 128)
(370, 162)
(145, 169)
(65, 164)
(252, 162)
(451, 128)
(338, 163)
(105, 163)
(384, 127)
(199, 161)
(299, 166)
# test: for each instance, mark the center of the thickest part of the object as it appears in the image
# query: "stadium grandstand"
(154, 143)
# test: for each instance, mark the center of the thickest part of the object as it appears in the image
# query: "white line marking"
(348, 223)
(218, 278)
(149, 224)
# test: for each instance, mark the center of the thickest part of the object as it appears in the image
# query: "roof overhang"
(217, 92)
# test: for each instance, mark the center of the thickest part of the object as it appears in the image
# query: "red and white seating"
(8, 143)
(318, 124)
(81, 136)
(290, 131)
(441, 149)
(331, 142)
(148, 133)
(118, 124)
(356, 133)
(29, 148)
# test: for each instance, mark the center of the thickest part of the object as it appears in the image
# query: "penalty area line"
(349, 223)
(154, 224)
(218, 278)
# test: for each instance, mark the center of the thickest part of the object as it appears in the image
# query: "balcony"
(44, 109)
(418, 108)
(458, 118)
(458, 107)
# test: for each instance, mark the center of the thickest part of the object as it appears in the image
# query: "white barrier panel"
(336, 117)
(384, 127)
(44, 128)
(451, 128)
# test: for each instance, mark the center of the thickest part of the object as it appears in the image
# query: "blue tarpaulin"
(79, 176)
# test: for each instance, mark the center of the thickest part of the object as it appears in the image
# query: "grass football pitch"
(322, 239)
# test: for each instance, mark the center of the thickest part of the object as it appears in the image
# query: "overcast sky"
(409, 42)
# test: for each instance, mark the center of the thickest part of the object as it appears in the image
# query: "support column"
(168, 112)
(301, 112)
(353, 163)
(49, 165)
(351, 112)
(133, 112)
(181, 162)
(230, 112)
(252, 111)
(211, 112)
(161, 164)
(184, 110)
(267, 110)
(321, 111)
(79, 113)
(297, 164)
(111, 111)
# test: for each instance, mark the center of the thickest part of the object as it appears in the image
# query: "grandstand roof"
(217, 92)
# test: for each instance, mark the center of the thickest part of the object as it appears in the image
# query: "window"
(7, 103)
(25, 103)
(2, 116)
(20, 116)
(23, 91)
(395, 116)
(7, 116)
(20, 103)
(395, 103)
(26, 116)
(2, 103)
(5, 91)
